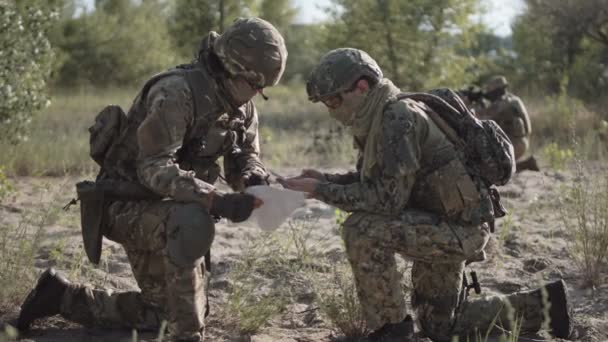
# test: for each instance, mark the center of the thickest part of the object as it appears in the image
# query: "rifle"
(472, 94)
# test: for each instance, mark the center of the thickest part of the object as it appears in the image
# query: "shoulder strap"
(196, 81)
(435, 104)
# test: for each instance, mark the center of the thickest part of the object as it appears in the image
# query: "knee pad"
(190, 233)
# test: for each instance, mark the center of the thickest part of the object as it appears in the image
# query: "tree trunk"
(222, 16)
(390, 43)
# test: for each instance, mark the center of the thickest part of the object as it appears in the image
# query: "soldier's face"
(342, 107)
(240, 89)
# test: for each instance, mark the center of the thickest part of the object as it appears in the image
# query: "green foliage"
(114, 45)
(190, 21)
(278, 12)
(341, 216)
(25, 64)
(562, 40)
(557, 157)
(304, 50)
(411, 40)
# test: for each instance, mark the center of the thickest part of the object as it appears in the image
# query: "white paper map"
(279, 204)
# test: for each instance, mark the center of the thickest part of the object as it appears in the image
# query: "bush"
(25, 65)
(109, 48)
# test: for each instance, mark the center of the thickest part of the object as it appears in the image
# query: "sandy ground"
(529, 247)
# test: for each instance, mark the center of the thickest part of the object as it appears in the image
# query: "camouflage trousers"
(439, 251)
(168, 291)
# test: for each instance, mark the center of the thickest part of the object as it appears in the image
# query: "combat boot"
(394, 332)
(44, 300)
(559, 312)
(528, 164)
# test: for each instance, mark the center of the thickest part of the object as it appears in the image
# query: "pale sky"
(499, 14)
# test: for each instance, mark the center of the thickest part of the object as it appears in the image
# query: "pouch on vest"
(453, 189)
(91, 218)
(108, 125)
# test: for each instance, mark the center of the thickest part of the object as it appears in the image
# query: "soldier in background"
(408, 174)
(511, 115)
(158, 167)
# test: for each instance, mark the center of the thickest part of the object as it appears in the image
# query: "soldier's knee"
(190, 233)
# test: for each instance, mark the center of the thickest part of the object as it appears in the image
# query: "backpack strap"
(436, 105)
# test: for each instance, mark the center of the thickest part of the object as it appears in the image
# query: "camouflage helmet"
(495, 83)
(338, 70)
(254, 49)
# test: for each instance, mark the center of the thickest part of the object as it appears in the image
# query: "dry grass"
(293, 131)
(584, 213)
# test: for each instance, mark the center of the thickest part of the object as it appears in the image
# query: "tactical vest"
(119, 161)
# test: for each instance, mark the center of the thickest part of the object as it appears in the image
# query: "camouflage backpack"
(488, 152)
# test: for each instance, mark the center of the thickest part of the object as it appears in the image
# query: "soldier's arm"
(342, 178)
(523, 113)
(160, 135)
(243, 167)
(345, 178)
(389, 192)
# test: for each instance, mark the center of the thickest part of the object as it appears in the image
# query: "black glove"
(255, 179)
(236, 207)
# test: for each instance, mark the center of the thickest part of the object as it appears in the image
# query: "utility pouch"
(454, 189)
(92, 207)
(109, 123)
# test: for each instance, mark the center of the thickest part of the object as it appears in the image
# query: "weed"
(584, 213)
(558, 157)
(6, 185)
(250, 305)
(19, 244)
(337, 298)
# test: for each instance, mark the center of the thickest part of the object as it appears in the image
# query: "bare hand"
(307, 185)
(312, 173)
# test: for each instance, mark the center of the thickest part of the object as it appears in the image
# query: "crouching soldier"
(154, 194)
(511, 115)
(411, 194)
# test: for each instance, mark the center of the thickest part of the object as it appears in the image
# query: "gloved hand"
(236, 207)
(251, 179)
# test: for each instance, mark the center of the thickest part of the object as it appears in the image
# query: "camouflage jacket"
(510, 114)
(411, 143)
(179, 125)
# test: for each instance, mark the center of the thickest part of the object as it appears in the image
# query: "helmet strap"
(261, 92)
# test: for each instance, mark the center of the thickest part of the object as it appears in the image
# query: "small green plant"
(558, 157)
(19, 245)
(6, 185)
(337, 298)
(584, 213)
(250, 305)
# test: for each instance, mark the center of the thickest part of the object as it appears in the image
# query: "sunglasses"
(335, 101)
